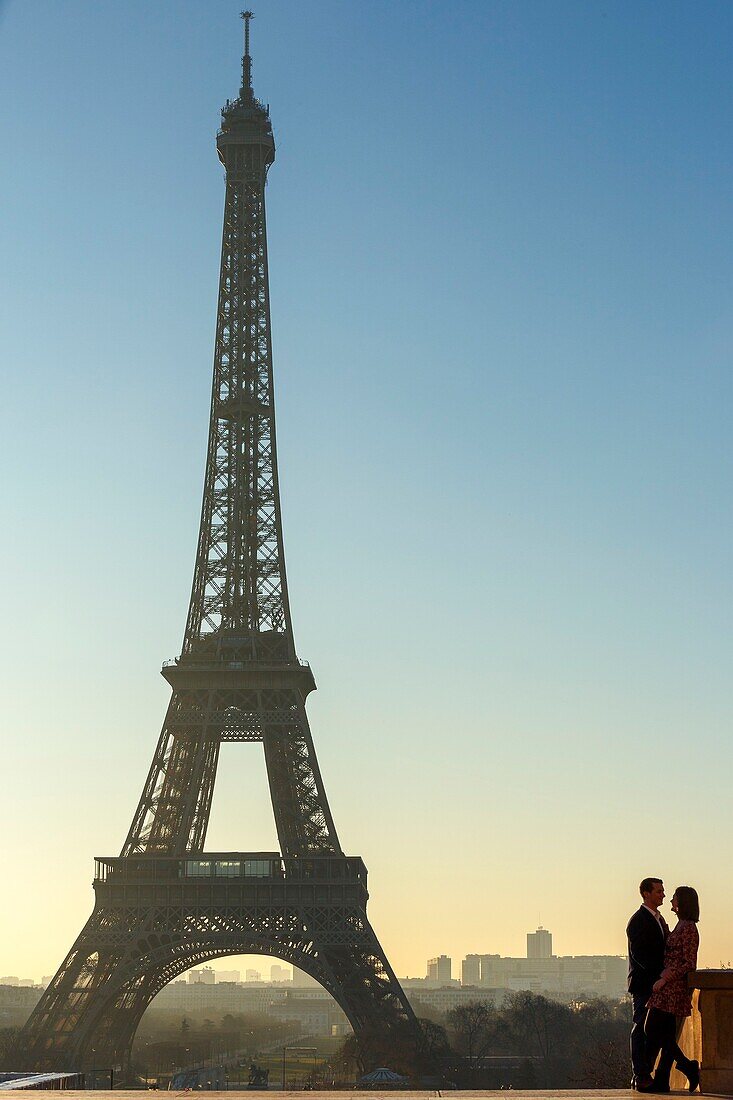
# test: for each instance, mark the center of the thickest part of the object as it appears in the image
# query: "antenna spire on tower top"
(246, 60)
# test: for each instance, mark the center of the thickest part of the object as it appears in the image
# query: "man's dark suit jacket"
(646, 949)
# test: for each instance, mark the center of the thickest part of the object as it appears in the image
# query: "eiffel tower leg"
(360, 977)
(302, 814)
(59, 1030)
(173, 811)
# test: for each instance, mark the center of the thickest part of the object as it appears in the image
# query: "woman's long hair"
(688, 906)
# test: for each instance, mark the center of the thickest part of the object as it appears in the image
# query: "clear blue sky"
(501, 291)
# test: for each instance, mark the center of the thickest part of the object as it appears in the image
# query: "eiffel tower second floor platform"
(232, 660)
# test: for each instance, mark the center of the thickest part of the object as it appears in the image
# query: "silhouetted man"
(647, 933)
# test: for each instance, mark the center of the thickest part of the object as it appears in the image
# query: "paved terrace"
(375, 1094)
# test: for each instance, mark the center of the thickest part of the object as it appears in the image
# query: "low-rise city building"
(206, 976)
(542, 972)
(17, 1002)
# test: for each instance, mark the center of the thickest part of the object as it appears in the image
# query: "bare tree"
(474, 1029)
(603, 1065)
(541, 1026)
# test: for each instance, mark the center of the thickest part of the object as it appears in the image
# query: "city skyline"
(222, 970)
(546, 533)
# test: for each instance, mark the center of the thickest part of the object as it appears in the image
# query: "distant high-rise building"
(471, 970)
(252, 976)
(10, 979)
(280, 973)
(539, 944)
(227, 976)
(439, 969)
(488, 970)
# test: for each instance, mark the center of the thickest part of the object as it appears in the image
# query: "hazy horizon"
(500, 277)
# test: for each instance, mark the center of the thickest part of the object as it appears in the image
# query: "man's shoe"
(692, 1074)
(659, 1086)
(643, 1084)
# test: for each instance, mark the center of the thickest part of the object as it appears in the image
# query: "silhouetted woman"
(671, 1000)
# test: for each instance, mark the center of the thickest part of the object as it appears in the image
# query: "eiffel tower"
(165, 904)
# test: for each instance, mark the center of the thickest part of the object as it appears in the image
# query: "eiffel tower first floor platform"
(157, 916)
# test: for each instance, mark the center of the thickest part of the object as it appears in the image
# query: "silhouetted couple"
(659, 962)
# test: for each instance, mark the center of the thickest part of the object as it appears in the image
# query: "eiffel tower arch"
(165, 904)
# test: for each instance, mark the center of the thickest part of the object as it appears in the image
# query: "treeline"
(527, 1042)
(8, 1036)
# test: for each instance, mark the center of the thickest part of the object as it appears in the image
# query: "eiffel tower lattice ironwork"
(164, 904)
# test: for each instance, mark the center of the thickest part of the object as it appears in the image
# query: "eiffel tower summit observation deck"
(165, 904)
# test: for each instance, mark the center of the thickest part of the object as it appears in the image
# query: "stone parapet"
(707, 1034)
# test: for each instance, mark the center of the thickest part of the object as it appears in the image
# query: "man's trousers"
(639, 1058)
